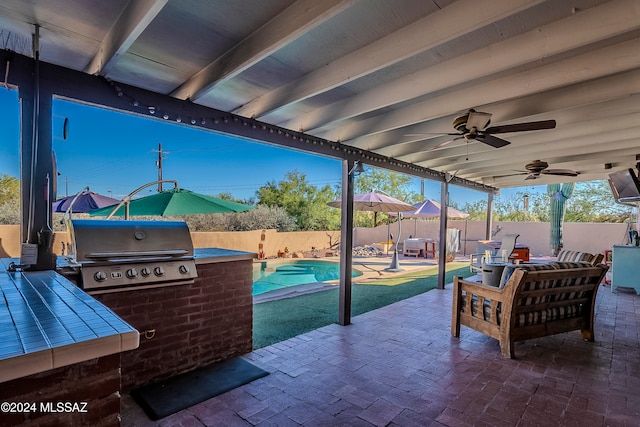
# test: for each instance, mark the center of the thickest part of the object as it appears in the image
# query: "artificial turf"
(276, 321)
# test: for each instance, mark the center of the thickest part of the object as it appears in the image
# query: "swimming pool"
(269, 276)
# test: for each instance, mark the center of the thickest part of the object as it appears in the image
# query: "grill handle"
(137, 254)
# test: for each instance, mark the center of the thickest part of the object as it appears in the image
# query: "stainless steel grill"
(121, 255)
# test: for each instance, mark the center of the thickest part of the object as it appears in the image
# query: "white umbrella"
(375, 201)
(432, 209)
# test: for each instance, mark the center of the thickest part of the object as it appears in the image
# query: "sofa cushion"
(560, 265)
(528, 318)
(549, 314)
(508, 271)
(574, 256)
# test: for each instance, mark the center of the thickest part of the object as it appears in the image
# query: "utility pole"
(159, 164)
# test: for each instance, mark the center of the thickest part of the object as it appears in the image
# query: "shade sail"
(85, 202)
(176, 201)
(375, 201)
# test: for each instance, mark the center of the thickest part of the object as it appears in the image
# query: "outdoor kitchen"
(191, 307)
(132, 304)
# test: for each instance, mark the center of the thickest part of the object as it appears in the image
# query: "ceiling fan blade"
(491, 140)
(511, 174)
(522, 127)
(443, 144)
(447, 142)
(560, 172)
(478, 120)
(432, 133)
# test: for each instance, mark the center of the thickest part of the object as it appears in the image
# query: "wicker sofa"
(532, 301)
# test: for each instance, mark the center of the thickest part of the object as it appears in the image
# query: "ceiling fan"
(539, 167)
(473, 126)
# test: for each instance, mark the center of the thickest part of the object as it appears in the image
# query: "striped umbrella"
(559, 193)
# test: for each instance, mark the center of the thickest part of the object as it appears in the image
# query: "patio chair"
(508, 244)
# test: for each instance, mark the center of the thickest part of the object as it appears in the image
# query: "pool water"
(268, 277)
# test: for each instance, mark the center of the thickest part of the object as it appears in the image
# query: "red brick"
(194, 324)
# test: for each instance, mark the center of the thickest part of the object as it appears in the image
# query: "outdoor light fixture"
(526, 201)
(357, 169)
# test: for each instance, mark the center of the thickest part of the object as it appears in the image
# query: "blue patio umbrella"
(84, 202)
(559, 194)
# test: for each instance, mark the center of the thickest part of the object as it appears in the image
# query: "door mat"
(182, 391)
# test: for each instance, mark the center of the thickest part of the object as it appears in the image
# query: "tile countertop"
(201, 255)
(47, 322)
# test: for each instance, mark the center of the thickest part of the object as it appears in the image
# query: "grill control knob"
(132, 273)
(158, 271)
(183, 269)
(145, 272)
(100, 276)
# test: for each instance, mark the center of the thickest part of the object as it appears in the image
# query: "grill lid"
(104, 240)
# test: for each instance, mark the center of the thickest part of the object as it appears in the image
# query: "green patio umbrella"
(559, 193)
(172, 202)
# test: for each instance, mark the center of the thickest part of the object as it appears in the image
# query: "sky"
(114, 153)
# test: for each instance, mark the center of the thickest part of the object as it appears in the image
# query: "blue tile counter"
(47, 322)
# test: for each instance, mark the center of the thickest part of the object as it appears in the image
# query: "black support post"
(442, 259)
(346, 244)
(36, 170)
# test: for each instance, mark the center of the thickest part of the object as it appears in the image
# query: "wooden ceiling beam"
(592, 65)
(298, 19)
(133, 20)
(576, 31)
(593, 118)
(429, 32)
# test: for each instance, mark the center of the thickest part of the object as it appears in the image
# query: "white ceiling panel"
(380, 75)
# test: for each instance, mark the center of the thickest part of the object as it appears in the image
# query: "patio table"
(422, 245)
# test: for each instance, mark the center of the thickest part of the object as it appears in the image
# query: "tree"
(394, 184)
(9, 200)
(593, 201)
(513, 208)
(306, 202)
(228, 196)
(477, 210)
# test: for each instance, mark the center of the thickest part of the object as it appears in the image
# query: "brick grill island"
(87, 348)
(58, 345)
(96, 382)
(192, 307)
(188, 326)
